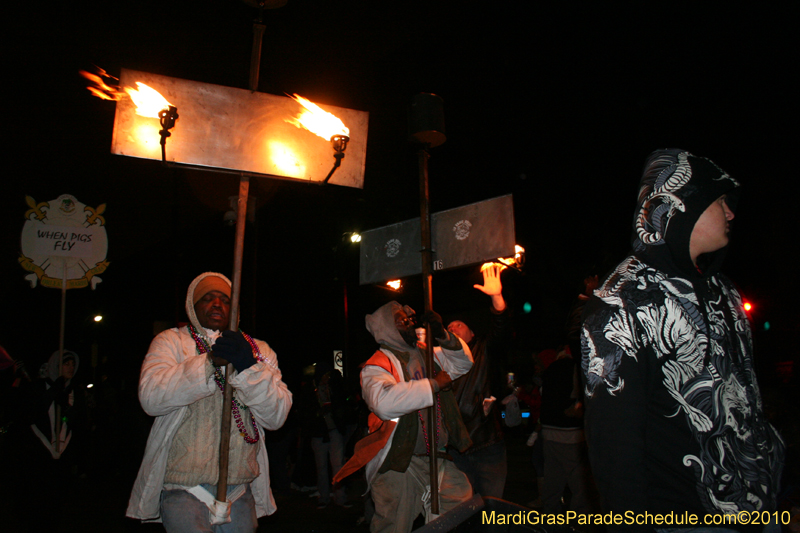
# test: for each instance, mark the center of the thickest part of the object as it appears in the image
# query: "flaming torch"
(149, 102)
(326, 125)
(518, 261)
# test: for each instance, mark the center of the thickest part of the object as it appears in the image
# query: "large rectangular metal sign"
(237, 129)
(474, 233)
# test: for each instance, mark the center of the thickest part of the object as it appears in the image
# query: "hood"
(381, 325)
(51, 371)
(675, 189)
(190, 301)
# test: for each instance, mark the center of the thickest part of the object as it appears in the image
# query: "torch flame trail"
(100, 88)
(148, 101)
(317, 120)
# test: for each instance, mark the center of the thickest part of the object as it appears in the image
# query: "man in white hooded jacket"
(180, 384)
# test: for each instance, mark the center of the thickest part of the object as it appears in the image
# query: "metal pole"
(255, 54)
(427, 294)
(225, 429)
(61, 351)
(346, 351)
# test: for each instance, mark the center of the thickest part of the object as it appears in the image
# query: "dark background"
(556, 103)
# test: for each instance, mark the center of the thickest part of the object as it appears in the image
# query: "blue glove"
(234, 348)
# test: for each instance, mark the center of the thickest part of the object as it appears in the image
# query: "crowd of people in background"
(306, 451)
(56, 429)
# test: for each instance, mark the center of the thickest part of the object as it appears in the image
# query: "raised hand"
(492, 286)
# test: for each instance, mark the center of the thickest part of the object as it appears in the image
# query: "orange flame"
(101, 89)
(317, 121)
(395, 284)
(492, 264)
(148, 101)
(507, 261)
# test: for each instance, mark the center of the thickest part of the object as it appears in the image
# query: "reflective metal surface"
(470, 234)
(236, 129)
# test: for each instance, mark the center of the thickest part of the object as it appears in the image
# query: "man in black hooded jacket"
(674, 419)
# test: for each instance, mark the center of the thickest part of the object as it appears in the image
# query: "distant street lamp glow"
(355, 237)
(98, 318)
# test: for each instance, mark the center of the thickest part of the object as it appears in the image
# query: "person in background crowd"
(485, 461)
(563, 440)
(323, 422)
(49, 439)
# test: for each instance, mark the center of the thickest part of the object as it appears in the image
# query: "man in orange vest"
(397, 390)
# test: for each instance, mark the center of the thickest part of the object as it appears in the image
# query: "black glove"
(435, 320)
(234, 348)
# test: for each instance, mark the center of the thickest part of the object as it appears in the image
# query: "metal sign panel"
(473, 233)
(390, 252)
(470, 234)
(236, 129)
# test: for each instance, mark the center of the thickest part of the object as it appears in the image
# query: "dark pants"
(486, 469)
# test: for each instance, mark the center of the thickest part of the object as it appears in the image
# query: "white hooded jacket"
(174, 376)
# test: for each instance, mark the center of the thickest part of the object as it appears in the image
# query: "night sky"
(558, 104)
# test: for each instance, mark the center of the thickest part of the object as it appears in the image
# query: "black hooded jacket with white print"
(674, 417)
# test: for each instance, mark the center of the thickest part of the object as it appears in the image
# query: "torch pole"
(427, 294)
(238, 249)
(61, 332)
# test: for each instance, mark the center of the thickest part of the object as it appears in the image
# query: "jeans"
(398, 495)
(335, 450)
(486, 469)
(183, 513)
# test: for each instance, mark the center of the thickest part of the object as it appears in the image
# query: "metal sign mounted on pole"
(466, 235)
(64, 245)
(470, 234)
(236, 131)
(225, 129)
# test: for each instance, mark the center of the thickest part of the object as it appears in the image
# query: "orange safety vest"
(379, 430)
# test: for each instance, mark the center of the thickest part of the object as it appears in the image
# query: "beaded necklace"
(203, 347)
(438, 422)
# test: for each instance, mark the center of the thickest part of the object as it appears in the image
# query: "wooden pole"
(236, 282)
(62, 329)
(225, 429)
(427, 294)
